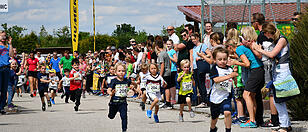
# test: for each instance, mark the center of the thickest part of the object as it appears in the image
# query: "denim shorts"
(217, 109)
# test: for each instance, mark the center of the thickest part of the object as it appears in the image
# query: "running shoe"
(156, 118)
(181, 119)
(43, 107)
(149, 113)
(101, 95)
(221, 116)
(3, 112)
(31, 95)
(288, 129)
(76, 108)
(249, 124)
(49, 103)
(192, 114)
(164, 106)
(269, 123)
(213, 130)
(202, 105)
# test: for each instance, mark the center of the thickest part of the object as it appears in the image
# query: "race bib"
(225, 85)
(121, 90)
(66, 82)
(78, 78)
(154, 87)
(142, 85)
(187, 86)
(21, 80)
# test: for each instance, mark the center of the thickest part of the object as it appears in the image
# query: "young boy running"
(43, 81)
(53, 84)
(118, 91)
(65, 83)
(220, 96)
(75, 83)
(186, 88)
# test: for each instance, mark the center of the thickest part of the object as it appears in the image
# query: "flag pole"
(94, 23)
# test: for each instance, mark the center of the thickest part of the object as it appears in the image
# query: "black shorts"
(255, 81)
(32, 74)
(173, 80)
(54, 90)
(168, 81)
(182, 98)
(217, 109)
(42, 91)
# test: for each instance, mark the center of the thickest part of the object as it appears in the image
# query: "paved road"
(92, 117)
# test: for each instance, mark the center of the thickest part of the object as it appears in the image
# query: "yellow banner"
(74, 23)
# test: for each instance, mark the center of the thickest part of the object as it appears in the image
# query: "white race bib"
(121, 90)
(154, 87)
(78, 78)
(225, 85)
(143, 85)
(21, 80)
(187, 86)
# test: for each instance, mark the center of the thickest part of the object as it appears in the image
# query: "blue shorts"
(217, 109)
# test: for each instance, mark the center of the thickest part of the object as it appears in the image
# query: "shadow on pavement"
(6, 124)
(196, 121)
(92, 109)
(84, 113)
(167, 122)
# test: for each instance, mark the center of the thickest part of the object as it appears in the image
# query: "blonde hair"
(234, 35)
(231, 43)
(144, 67)
(249, 33)
(183, 62)
(120, 64)
(271, 28)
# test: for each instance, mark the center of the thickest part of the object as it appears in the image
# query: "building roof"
(234, 13)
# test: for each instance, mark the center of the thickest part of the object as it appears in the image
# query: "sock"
(228, 129)
(275, 119)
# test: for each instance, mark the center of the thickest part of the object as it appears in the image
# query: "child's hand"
(113, 92)
(235, 68)
(201, 54)
(234, 74)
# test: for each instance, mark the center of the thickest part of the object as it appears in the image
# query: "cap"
(52, 71)
(113, 48)
(131, 40)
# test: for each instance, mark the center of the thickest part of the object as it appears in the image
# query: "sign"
(4, 7)
(74, 23)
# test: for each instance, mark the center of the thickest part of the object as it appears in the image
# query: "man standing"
(172, 35)
(190, 29)
(40, 58)
(66, 62)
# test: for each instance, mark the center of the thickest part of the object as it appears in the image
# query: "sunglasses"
(169, 29)
(294, 19)
(134, 44)
(183, 35)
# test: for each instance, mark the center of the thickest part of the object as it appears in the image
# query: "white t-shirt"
(138, 61)
(174, 38)
(220, 91)
(207, 42)
(41, 59)
(53, 84)
(153, 84)
(143, 79)
(267, 46)
(65, 81)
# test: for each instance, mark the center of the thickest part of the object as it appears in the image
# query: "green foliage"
(299, 54)
(15, 32)
(102, 41)
(27, 43)
(124, 33)
(176, 29)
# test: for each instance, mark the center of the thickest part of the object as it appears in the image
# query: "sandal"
(283, 129)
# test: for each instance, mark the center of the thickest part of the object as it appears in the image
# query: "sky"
(148, 15)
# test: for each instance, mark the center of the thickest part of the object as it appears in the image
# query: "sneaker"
(236, 121)
(202, 105)
(149, 113)
(192, 114)
(213, 130)
(142, 105)
(156, 118)
(20, 95)
(249, 124)
(76, 108)
(164, 106)
(49, 103)
(288, 129)
(269, 123)
(34, 94)
(44, 107)
(243, 119)
(3, 112)
(52, 101)
(31, 95)
(221, 116)
(181, 119)
(101, 95)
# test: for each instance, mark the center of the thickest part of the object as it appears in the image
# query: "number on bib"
(121, 90)
(154, 87)
(225, 85)
(187, 86)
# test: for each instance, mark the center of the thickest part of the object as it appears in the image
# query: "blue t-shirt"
(4, 56)
(195, 50)
(173, 64)
(55, 64)
(121, 87)
(43, 76)
(255, 62)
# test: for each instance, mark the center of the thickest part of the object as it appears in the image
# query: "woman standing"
(32, 64)
(281, 70)
(6, 51)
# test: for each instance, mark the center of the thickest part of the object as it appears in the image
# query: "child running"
(75, 83)
(186, 81)
(154, 83)
(220, 96)
(118, 91)
(142, 84)
(53, 85)
(43, 81)
(65, 83)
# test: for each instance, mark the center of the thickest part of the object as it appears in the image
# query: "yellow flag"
(74, 17)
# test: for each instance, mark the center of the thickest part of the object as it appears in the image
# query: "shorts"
(238, 92)
(182, 98)
(169, 82)
(217, 109)
(52, 89)
(32, 74)
(173, 79)
(151, 96)
(255, 81)
(42, 91)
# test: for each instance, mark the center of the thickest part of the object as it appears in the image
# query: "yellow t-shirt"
(186, 84)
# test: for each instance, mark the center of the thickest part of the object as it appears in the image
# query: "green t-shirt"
(239, 77)
(129, 69)
(67, 63)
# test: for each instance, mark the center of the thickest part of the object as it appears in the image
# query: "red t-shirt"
(32, 64)
(132, 59)
(75, 84)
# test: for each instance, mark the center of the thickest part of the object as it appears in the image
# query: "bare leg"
(167, 92)
(188, 103)
(154, 103)
(173, 93)
(156, 109)
(249, 102)
(228, 119)
(272, 106)
(240, 108)
(213, 123)
(181, 108)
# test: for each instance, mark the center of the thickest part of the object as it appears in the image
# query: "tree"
(102, 41)
(176, 29)
(15, 32)
(299, 54)
(27, 43)
(64, 36)
(124, 33)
